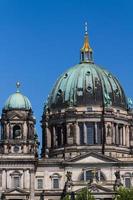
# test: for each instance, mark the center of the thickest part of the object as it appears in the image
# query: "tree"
(84, 194)
(67, 197)
(124, 194)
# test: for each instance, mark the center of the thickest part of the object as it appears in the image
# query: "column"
(121, 135)
(77, 134)
(124, 136)
(113, 133)
(84, 175)
(48, 136)
(27, 179)
(67, 133)
(24, 178)
(32, 180)
(85, 134)
(4, 179)
(116, 134)
(54, 137)
(0, 178)
(127, 136)
(74, 133)
(106, 129)
(11, 131)
(96, 141)
(7, 130)
(99, 173)
(107, 133)
(25, 131)
(62, 137)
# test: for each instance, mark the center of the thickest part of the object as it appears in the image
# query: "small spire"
(86, 51)
(18, 86)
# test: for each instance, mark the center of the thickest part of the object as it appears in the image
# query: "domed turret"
(18, 134)
(17, 101)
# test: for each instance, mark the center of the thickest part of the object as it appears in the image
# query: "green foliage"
(84, 194)
(66, 197)
(124, 194)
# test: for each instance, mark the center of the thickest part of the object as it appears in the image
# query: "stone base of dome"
(119, 152)
(84, 129)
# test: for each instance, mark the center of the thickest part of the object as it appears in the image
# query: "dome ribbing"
(87, 84)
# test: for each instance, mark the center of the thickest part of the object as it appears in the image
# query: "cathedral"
(87, 137)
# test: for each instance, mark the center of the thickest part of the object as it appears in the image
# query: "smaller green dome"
(17, 101)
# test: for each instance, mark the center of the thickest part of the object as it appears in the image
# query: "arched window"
(127, 178)
(127, 182)
(55, 181)
(16, 177)
(16, 132)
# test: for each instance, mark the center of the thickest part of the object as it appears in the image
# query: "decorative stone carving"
(117, 180)
(68, 183)
(69, 176)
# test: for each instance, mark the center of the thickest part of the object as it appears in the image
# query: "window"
(16, 132)
(58, 135)
(72, 130)
(127, 182)
(100, 176)
(40, 183)
(89, 175)
(109, 131)
(99, 133)
(127, 179)
(55, 183)
(16, 181)
(55, 178)
(90, 133)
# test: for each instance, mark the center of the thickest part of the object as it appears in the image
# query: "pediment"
(99, 188)
(15, 116)
(16, 191)
(92, 157)
(95, 188)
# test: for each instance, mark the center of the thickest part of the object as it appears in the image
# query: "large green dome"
(87, 84)
(17, 101)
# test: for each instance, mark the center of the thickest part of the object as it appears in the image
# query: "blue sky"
(40, 39)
